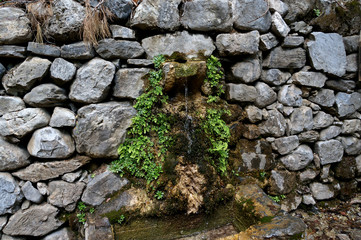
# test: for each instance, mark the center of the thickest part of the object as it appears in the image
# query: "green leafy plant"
(277, 199)
(91, 210)
(139, 154)
(317, 12)
(214, 77)
(81, 217)
(81, 206)
(159, 195)
(121, 219)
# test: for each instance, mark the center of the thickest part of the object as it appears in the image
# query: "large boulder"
(129, 82)
(101, 128)
(66, 22)
(10, 104)
(18, 124)
(252, 15)
(23, 77)
(347, 104)
(285, 58)
(237, 43)
(92, 82)
(10, 193)
(49, 142)
(46, 95)
(327, 53)
(208, 15)
(330, 151)
(42, 171)
(12, 157)
(156, 14)
(14, 26)
(38, 220)
(111, 49)
(190, 45)
(65, 195)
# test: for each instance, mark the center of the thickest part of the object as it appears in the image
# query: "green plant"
(81, 217)
(91, 210)
(159, 195)
(121, 219)
(214, 77)
(139, 154)
(277, 199)
(81, 206)
(317, 12)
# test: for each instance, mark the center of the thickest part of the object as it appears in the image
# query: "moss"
(266, 219)
(187, 69)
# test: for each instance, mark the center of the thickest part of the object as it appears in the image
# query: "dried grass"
(39, 13)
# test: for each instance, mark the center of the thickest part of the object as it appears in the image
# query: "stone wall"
(68, 104)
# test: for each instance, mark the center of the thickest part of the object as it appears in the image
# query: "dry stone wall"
(67, 104)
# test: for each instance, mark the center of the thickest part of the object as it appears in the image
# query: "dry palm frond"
(39, 13)
(95, 25)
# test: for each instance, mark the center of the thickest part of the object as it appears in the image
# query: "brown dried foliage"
(39, 13)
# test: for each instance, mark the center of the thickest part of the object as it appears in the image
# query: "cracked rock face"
(10, 194)
(12, 156)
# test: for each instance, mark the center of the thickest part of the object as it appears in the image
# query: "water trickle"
(188, 121)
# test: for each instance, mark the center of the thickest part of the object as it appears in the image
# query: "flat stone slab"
(12, 51)
(285, 58)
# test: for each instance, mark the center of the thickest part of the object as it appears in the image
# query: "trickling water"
(189, 121)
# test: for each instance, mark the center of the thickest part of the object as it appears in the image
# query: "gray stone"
(330, 151)
(275, 77)
(309, 136)
(42, 171)
(110, 49)
(351, 126)
(301, 27)
(347, 104)
(291, 202)
(322, 191)
(14, 26)
(7, 237)
(12, 157)
(12, 51)
(77, 51)
(102, 186)
(62, 117)
(241, 93)
(66, 22)
(98, 228)
(98, 136)
(293, 41)
(18, 124)
(49, 142)
(327, 53)
(62, 234)
(198, 45)
(65, 195)
(279, 26)
(208, 15)
(3, 221)
(92, 81)
(267, 41)
(129, 82)
(46, 95)
(278, 6)
(43, 49)
(62, 71)
(281, 182)
(285, 58)
(322, 120)
(140, 62)
(156, 14)
(341, 85)
(23, 77)
(254, 114)
(308, 175)
(247, 71)
(285, 145)
(323, 97)
(237, 43)
(43, 188)
(71, 177)
(290, 95)
(351, 65)
(10, 104)
(352, 145)
(301, 120)
(275, 125)
(2, 70)
(329, 133)
(32, 194)
(298, 159)
(252, 15)
(10, 193)
(121, 9)
(298, 9)
(309, 79)
(308, 199)
(266, 95)
(27, 222)
(120, 32)
(351, 43)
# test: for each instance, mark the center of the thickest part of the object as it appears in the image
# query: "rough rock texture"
(282, 182)
(285, 145)
(110, 49)
(77, 51)
(102, 186)
(129, 82)
(14, 26)
(247, 71)
(241, 92)
(329, 133)
(120, 32)
(285, 58)
(62, 117)
(18, 124)
(237, 43)
(275, 77)
(341, 85)
(293, 41)
(65, 195)
(266, 95)
(92, 82)
(197, 45)
(327, 53)
(121, 9)
(156, 14)
(12, 157)
(98, 228)
(351, 126)
(298, 159)
(290, 95)
(38, 220)
(43, 49)
(22, 77)
(267, 41)
(49, 142)
(46, 95)
(329, 151)
(275, 125)
(62, 71)
(347, 104)
(298, 9)
(30, 193)
(309, 79)
(41, 171)
(65, 23)
(301, 120)
(352, 145)
(279, 26)
(208, 15)
(324, 98)
(252, 15)
(101, 128)
(322, 120)
(62, 234)
(10, 193)
(321, 191)
(12, 51)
